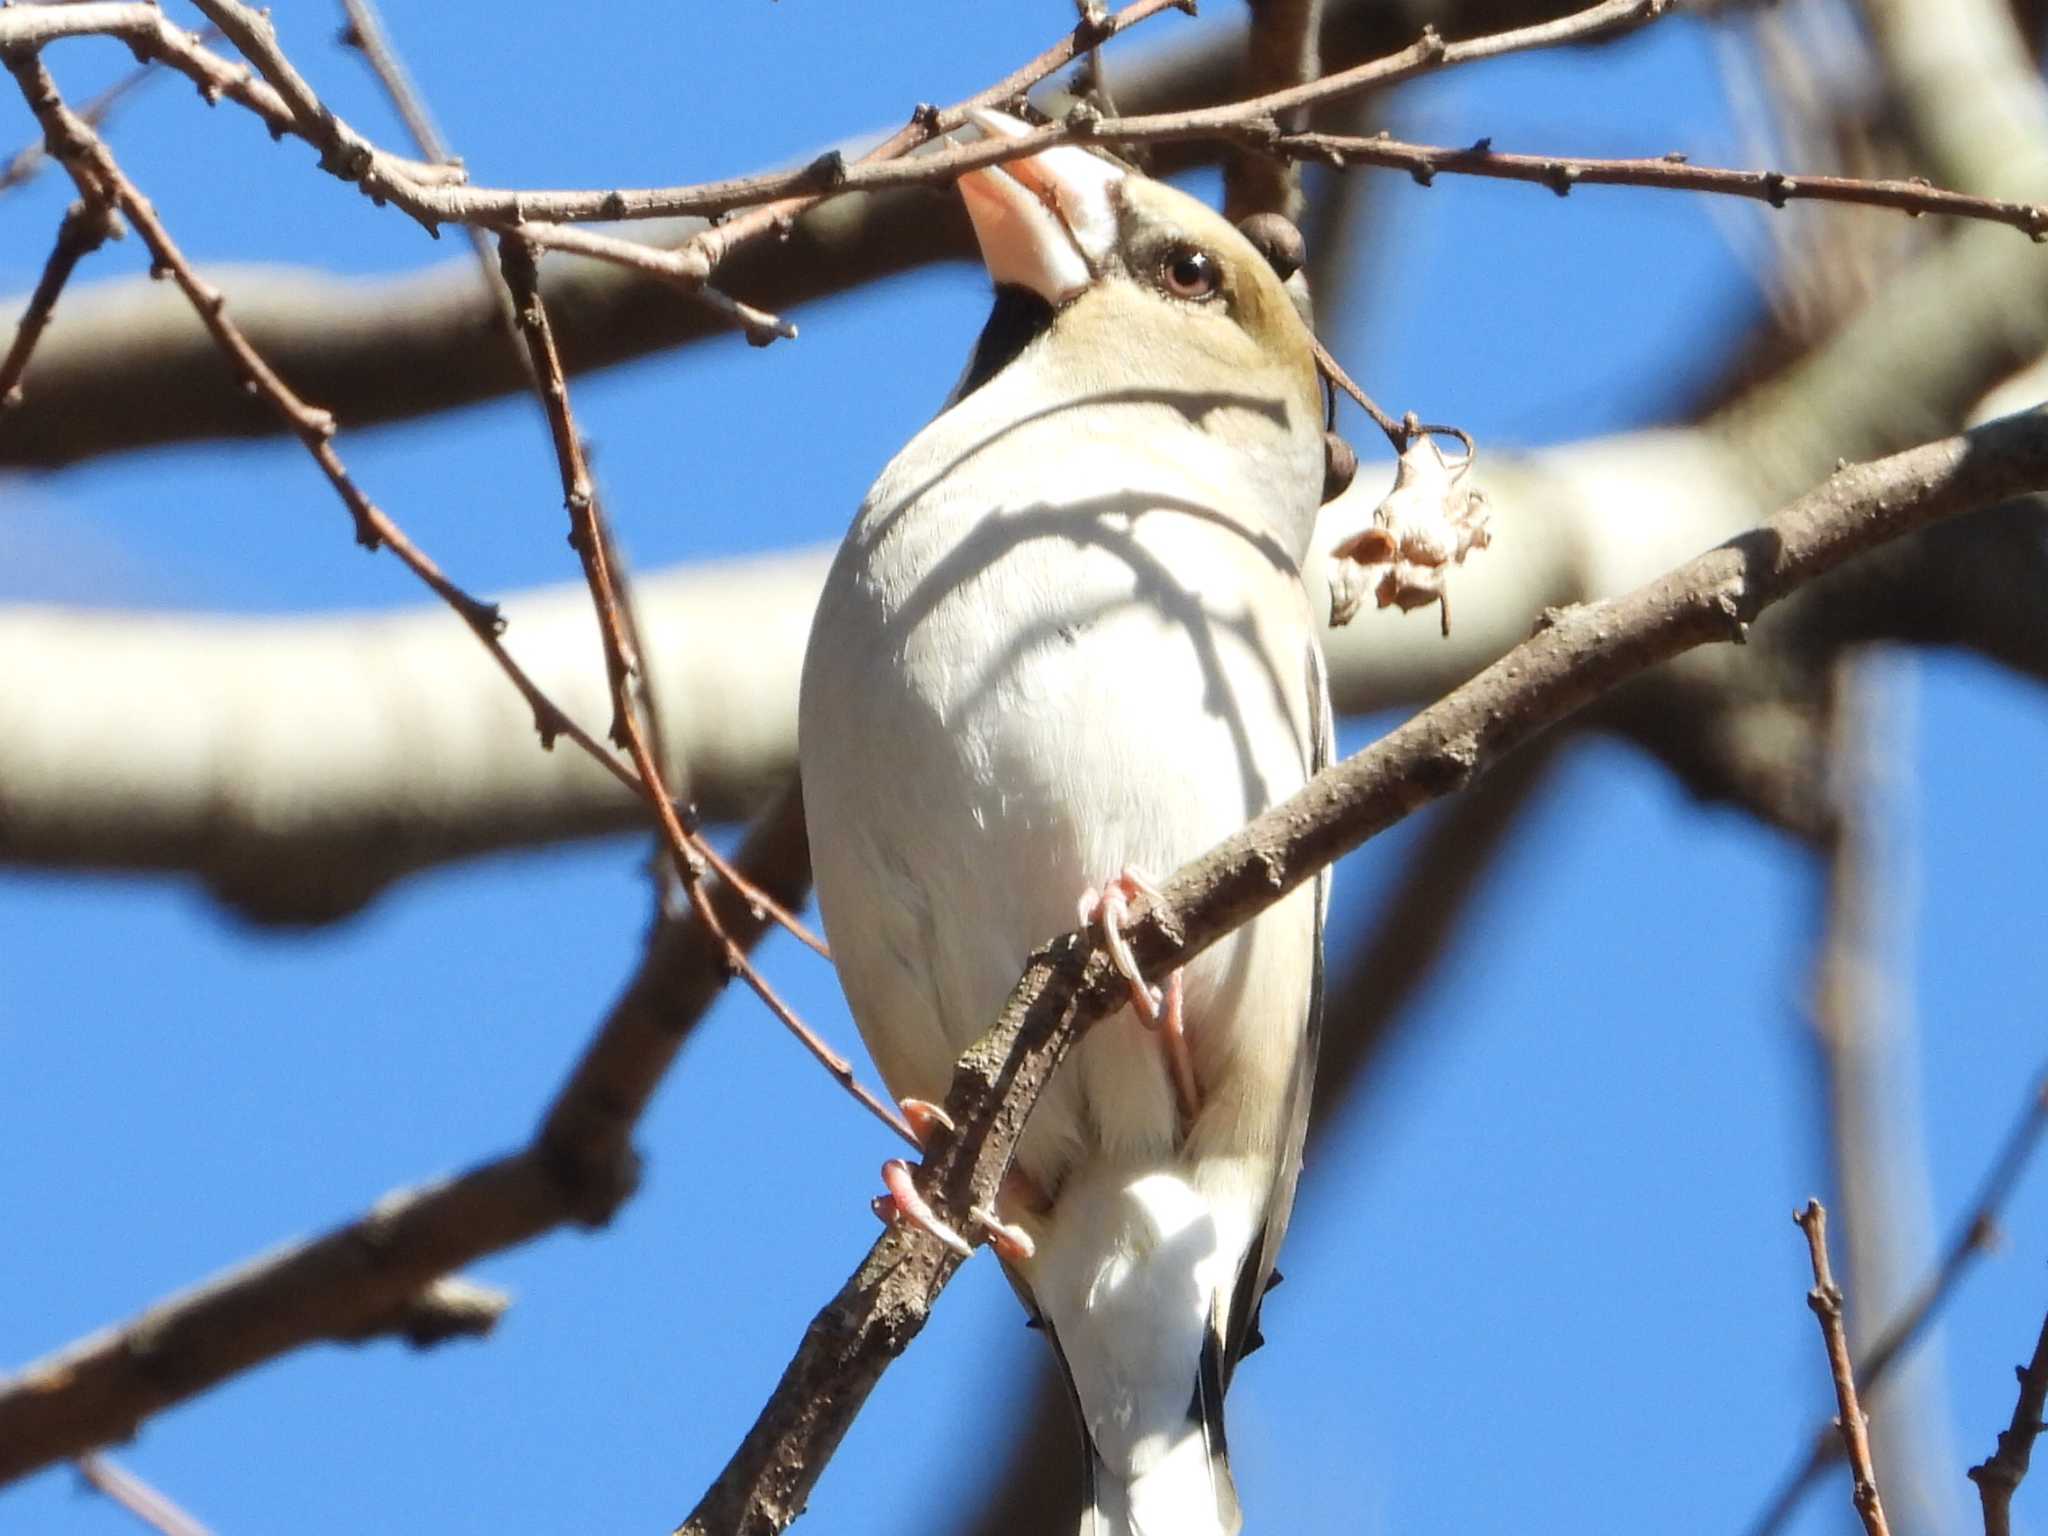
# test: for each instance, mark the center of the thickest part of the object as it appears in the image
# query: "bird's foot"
(905, 1202)
(1158, 1008)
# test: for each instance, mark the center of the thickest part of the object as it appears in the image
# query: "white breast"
(1010, 697)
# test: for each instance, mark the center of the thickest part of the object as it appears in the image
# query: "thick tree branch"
(1577, 655)
(299, 766)
(365, 1277)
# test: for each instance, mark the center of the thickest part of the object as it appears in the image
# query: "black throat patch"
(1019, 318)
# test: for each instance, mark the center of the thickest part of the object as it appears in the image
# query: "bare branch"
(1998, 1478)
(366, 1277)
(588, 535)
(125, 366)
(1575, 656)
(87, 225)
(30, 159)
(1973, 1236)
(1417, 923)
(1673, 172)
(1826, 1300)
(93, 167)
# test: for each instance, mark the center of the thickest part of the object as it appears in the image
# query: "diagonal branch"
(588, 535)
(1576, 655)
(363, 1277)
(92, 166)
(87, 224)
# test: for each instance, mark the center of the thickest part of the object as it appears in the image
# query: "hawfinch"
(1066, 643)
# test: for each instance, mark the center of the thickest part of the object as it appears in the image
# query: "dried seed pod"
(1340, 467)
(1276, 239)
(1428, 523)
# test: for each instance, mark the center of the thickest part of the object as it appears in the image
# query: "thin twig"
(1396, 434)
(365, 31)
(1826, 1300)
(365, 1277)
(1860, 1029)
(101, 181)
(588, 535)
(87, 225)
(434, 198)
(1576, 655)
(29, 160)
(93, 166)
(348, 154)
(1973, 1236)
(146, 1503)
(715, 244)
(150, 34)
(1672, 172)
(1998, 1478)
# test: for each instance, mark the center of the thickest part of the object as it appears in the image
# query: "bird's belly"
(1023, 740)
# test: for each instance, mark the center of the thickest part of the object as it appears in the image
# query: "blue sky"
(1546, 1265)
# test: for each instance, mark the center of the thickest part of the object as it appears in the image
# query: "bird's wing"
(1240, 1334)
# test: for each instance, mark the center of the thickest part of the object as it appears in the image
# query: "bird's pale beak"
(1046, 222)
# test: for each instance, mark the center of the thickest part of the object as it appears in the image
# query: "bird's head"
(1110, 285)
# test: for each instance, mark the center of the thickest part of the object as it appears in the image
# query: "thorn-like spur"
(1159, 1008)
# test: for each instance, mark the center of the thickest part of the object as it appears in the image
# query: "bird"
(1064, 648)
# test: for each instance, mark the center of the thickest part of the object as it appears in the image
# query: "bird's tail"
(1187, 1493)
(1184, 1490)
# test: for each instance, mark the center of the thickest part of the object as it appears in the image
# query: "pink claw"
(922, 1115)
(1010, 1241)
(1110, 907)
(1174, 1037)
(904, 1203)
(1161, 1010)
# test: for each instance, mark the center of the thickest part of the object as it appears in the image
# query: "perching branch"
(364, 1278)
(1576, 655)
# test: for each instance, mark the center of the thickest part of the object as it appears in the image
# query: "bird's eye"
(1188, 273)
